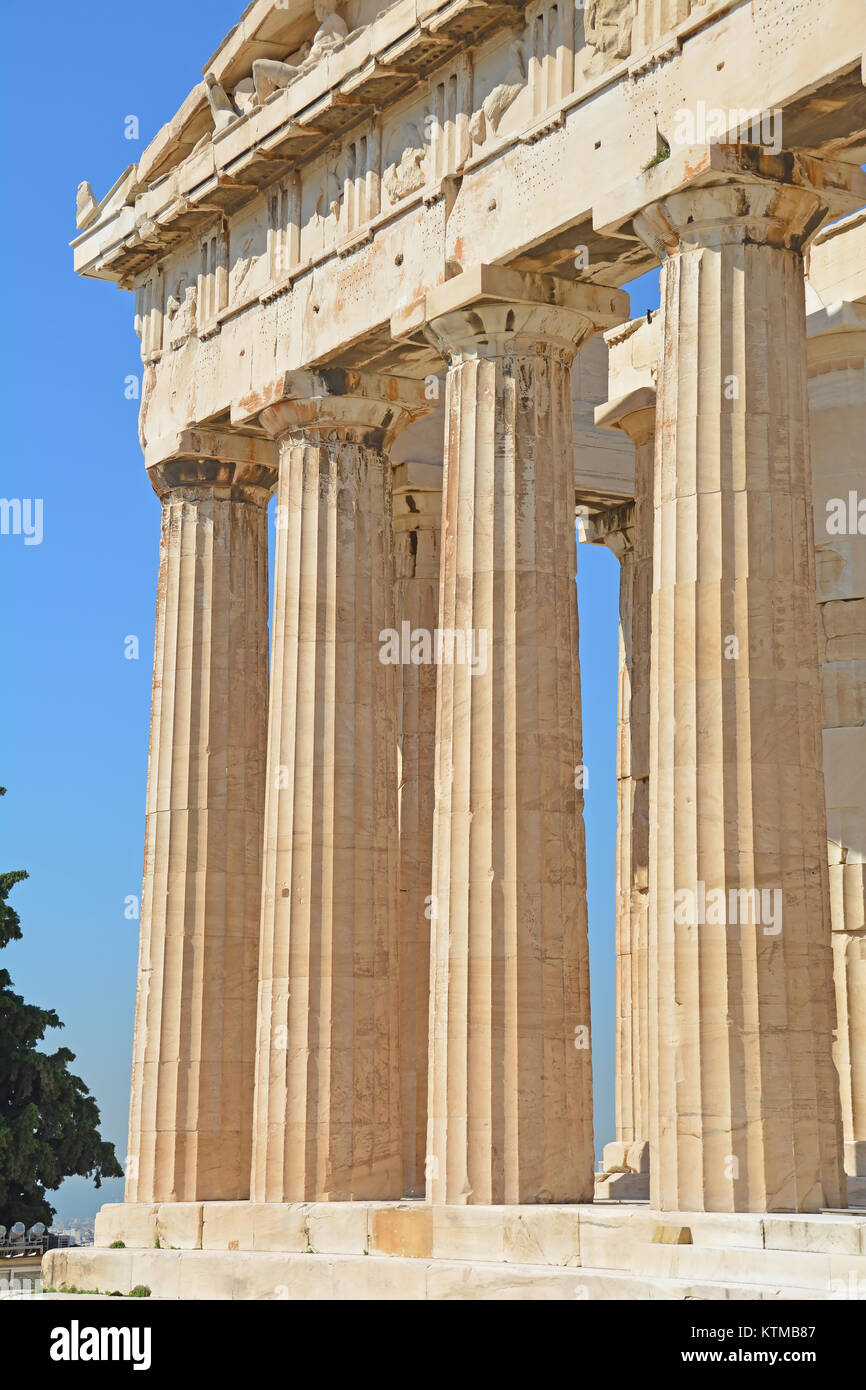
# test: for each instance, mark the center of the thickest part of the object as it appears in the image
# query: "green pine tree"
(48, 1119)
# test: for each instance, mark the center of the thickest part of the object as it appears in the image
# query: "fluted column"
(744, 1110)
(327, 1114)
(628, 532)
(837, 406)
(195, 1024)
(417, 528)
(510, 1108)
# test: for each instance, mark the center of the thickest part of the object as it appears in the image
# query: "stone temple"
(378, 257)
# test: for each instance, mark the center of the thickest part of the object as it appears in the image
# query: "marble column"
(510, 1107)
(628, 532)
(744, 1112)
(195, 1024)
(327, 1108)
(837, 406)
(417, 528)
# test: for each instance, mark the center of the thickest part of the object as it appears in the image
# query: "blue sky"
(73, 709)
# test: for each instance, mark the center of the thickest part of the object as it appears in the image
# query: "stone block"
(622, 1187)
(179, 1225)
(742, 1229)
(402, 1230)
(475, 1280)
(614, 1158)
(848, 1277)
(734, 1266)
(305, 1277)
(227, 1226)
(541, 1235)
(820, 1233)
(91, 1269)
(134, 1223)
(468, 1233)
(280, 1227)
(608, 1235)
(157, 1270)
(375, 1279)
(338, 1228)
(204, 1274)
(283, 1277)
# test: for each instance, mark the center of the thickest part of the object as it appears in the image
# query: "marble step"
(203, 1274)
(596, 1235)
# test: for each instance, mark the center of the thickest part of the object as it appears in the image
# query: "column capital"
(835, 337)
(714, 194)
(336, 402)
(634, 414)
(487, 310)
(613, 527)
(242, 466)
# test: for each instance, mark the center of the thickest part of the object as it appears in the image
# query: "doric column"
(193, 1056)
(628, 532)
(417, 527)
(327, 1115)
(744, 1106)
(510, 1085)
(837, 405)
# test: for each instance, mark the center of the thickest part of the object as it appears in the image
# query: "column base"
(624, 1172)
(412, 1251)
(622, 1187)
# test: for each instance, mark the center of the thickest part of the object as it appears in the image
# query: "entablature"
(309, 228)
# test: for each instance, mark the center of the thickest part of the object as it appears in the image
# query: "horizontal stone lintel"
(842, 186)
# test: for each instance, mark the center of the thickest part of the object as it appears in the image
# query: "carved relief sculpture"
(221, 105)
(180, 313)
(270, 75)
(241, 268)
(607, 29)
(85, 207)
(486, 121)
(406, 171)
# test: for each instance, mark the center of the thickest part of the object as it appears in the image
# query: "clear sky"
(74, 713)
